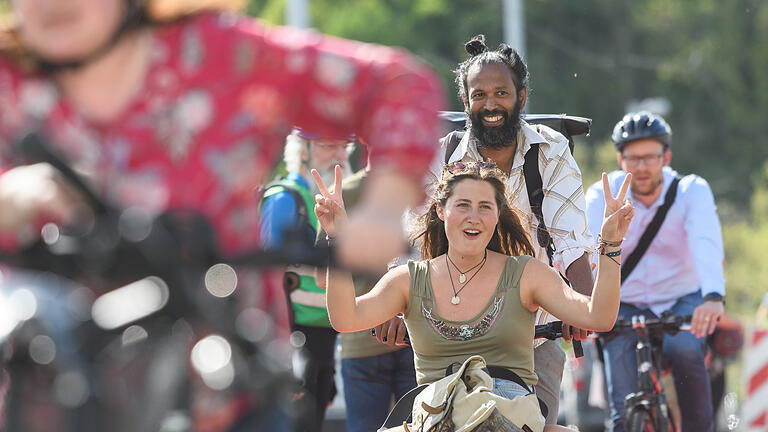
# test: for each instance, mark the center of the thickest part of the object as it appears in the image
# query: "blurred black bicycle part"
(158, 343)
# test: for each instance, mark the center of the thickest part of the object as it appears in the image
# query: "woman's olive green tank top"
(502, 332)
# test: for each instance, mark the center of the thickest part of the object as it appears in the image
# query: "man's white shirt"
(563, 207)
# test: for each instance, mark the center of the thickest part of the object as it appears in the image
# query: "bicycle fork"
(650, 395)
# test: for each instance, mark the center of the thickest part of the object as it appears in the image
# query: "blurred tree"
(592, 58)
(745, 240)
(706, 57)
(433, 29)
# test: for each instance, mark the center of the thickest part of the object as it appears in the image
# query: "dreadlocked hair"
(479, 55)
(509, 237)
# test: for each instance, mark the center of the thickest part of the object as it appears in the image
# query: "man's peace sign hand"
(618, 211)
(329, 206)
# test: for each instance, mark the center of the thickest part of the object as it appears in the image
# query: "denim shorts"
(508, 389)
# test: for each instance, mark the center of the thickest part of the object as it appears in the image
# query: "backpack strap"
(451, 142)
(650, 231)
(535, 188)
(401, 412)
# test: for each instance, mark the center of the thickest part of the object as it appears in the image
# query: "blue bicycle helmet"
(641, 125)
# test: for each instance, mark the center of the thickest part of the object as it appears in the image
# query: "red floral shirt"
(221, 93)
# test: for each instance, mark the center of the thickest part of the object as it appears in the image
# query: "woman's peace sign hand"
(618, 211)
(329, 207)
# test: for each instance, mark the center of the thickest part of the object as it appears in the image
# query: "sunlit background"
(699, 64)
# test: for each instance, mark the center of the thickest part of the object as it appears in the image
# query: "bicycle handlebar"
(668, 322)
(553, 331)
(549, 331)
(106, 241)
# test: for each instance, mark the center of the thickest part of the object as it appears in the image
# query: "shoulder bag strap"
(650, 231)
(534, 186)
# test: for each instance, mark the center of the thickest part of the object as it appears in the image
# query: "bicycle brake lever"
(578, 349)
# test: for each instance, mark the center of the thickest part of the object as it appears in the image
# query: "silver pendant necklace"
(463, 274)
(455, 300)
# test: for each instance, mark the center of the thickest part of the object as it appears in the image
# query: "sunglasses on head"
(459, 166)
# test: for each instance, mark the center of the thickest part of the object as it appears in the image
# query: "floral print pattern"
(219, 97)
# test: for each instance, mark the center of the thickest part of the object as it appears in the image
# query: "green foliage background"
(591, 58)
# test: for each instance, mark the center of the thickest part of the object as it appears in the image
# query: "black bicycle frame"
(650, 395)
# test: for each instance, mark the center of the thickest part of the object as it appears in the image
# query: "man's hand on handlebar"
(705, 318)
(573, 333)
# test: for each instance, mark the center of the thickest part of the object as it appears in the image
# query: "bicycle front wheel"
(641, 420)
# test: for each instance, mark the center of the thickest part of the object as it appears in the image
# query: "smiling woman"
(470, 229)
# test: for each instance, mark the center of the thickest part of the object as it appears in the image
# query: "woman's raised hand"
(618, 211)
(329, 207)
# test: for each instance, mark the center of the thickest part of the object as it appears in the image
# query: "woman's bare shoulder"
(399, 271)
(398, 275)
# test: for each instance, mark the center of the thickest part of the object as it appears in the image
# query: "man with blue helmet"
(679, 270)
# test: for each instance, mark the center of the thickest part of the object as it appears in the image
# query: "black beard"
(497, 137)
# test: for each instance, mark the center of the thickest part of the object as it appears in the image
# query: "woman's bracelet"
(611, 255)
(602, 244)
(601, 241)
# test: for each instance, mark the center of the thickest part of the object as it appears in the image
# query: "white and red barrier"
(755, 409)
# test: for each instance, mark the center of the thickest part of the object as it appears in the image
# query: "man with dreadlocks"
(493, 86)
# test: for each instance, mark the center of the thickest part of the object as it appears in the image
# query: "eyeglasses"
(647, 160)
(459, 166)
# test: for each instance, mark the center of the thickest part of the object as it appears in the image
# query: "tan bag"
(464, 402)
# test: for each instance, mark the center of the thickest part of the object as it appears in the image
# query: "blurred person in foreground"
(372, 373)
(287, 209)
(174, 104)
(166, 105)
(680, 271)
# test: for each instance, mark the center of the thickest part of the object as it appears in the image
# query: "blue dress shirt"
(687, 253)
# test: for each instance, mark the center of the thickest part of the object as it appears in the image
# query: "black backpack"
(569, 126)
